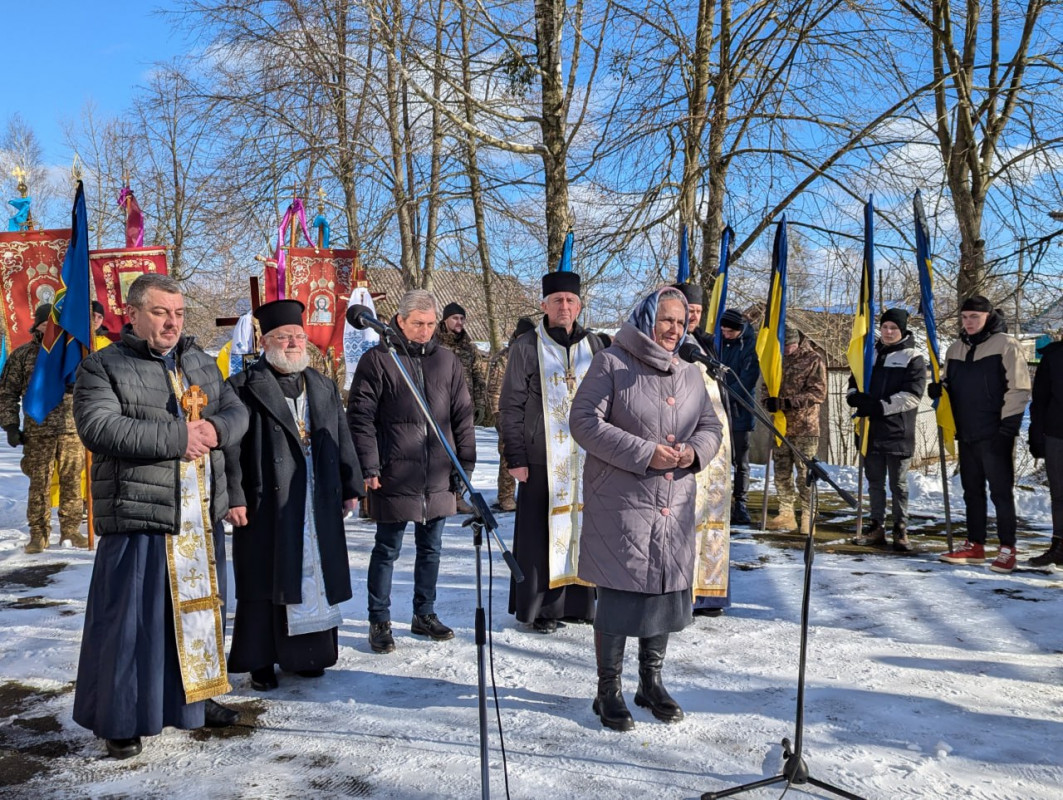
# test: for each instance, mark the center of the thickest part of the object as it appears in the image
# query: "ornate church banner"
(30, 263)
(113, 272)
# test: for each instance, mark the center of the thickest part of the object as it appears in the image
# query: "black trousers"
(989, 461)
(740, 462)
(1054, 468)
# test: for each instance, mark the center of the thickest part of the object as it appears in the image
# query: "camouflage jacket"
(472, 365)
(496, 372)
(804, 385)
(13, 385)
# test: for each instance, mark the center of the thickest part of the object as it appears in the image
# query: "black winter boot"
(609, 704)
(651, 693)
(1054, 554)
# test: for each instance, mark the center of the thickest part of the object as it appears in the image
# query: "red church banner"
(113, 271)
(30, 263)
(321, 280)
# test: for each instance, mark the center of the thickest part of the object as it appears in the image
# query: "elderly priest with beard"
(290, 485)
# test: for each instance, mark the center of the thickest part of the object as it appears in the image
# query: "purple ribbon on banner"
(134, 220)
(295, 209)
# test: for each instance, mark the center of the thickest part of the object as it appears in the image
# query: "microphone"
(362, 317)
(688, 351)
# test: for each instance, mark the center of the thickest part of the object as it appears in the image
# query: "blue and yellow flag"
(565, 264)
(861, 352)
(682, 274)
(69, 327)
(718, 301)
(772, 336)
(942, 407)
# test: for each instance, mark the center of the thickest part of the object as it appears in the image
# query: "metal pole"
(767, 478)
(859, 493)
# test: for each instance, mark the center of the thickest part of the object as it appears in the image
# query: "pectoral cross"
(192, 401)
(570, 379)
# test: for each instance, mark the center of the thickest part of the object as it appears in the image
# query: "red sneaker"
(1005, 560)
(970, 553)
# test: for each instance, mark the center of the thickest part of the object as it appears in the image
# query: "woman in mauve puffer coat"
(646, 422)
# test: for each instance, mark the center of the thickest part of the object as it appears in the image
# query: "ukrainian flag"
(771, 338)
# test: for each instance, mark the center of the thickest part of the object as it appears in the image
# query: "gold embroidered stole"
(712, 511)
(193, 580)
(560, 372)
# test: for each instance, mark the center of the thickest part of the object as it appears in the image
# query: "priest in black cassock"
(294, 478)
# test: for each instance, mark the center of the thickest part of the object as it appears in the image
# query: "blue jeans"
(429, 539)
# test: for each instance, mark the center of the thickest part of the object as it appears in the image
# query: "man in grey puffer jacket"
(131, 680)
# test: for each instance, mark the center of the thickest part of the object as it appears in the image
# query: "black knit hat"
(692, 292)
(898, 316)
(732, 319)
(524, 324)
(560, 282)
(41, 314)
(450, 309)
(977, 303)
(279, 312)
(97, 307)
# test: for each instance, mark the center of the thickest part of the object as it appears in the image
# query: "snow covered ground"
(924, 681)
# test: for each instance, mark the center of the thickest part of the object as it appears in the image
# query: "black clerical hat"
(560, 282)
(279, 312)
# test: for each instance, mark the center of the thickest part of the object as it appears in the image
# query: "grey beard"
(288, 366)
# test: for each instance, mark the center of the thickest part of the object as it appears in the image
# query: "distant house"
(512, 299)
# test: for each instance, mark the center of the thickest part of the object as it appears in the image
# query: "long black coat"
(393, 439)
(268, 475)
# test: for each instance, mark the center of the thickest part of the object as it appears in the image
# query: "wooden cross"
(192, 401)
(570, 380)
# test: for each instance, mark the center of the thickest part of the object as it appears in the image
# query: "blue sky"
(78, 51)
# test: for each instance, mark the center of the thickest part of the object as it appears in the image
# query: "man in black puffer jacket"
(131, 681)
(407, 471)
(1046, 441)
(898, 379)
(988, 383)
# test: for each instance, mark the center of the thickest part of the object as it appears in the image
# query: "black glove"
(787, 403)
(1037, 446)
(14, 435)
(773, 405)
(933, 390)
(868, 406)
(1009, 426)
(852, 399)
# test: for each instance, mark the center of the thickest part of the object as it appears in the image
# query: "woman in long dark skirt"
(647, 424)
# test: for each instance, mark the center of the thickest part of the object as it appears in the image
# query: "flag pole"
(767, 479)
(859, 493)
(945, 488)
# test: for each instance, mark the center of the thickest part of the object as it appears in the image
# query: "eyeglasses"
(288, 337)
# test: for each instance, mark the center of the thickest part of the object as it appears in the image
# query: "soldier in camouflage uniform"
(43, 447)
(803, 391)
(452, 335)
(496, 371)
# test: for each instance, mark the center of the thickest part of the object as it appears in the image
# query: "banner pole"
(859, 493)
(945, 487)
(767, 480)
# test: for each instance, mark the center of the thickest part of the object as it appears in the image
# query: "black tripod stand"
(795, 770)
(481, 518)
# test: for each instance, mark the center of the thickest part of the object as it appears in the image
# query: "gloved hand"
(852, 399)
(14, 435)
(933, 390)
(1037, 446)
(787, 403)
(1009, 426)
(867, 406)
(773, 405)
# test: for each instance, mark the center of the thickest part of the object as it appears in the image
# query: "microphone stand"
(481, 518)
(795, 770)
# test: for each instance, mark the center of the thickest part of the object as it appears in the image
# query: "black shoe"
(310, 673)
(740, 515)
(123, 748)
(380, 638)
(545, 625)
(429, 625)
(1054, 555)
(651, 694)
(263, 679)
(708, 612)
(216, 715)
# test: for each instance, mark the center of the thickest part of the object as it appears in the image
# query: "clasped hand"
(666, 456)
(202, 438)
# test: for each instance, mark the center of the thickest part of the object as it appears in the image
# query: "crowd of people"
(609, 441)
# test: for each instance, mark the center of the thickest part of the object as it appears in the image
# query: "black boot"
(651, 693)
(740, 514)
(1054, 554)
(609, 704)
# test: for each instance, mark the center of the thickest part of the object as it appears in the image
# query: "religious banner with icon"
(30, 262)
(322, 280)
(113, 272)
